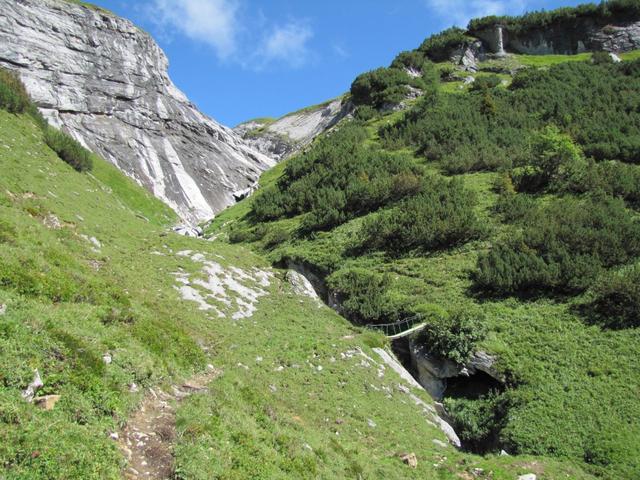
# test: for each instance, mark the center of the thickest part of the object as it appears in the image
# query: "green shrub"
(478, 421)
(441, 216)
(601, 57)
(555, 162)
(364, 296)
(68, 149)
(563, 247)
(13, 95)
(336, 180)
(568, 16)
(439, 47)
(514, 207)
(617, 298)
(380, 87)
(454, 336)
(486, 82)
(365, 113)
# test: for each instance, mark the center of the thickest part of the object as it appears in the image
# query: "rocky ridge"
(282, 138)
(105, 82)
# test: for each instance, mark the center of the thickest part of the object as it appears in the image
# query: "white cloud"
(213, 22)
(459, 12)
(236, 34)
(287, 44)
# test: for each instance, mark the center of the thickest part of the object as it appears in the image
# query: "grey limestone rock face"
(282, 138)
(584, 35)
(105, 82)
(433, 371)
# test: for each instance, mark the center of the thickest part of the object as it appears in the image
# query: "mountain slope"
(504, 212)
(105, 82)
(107, 305)
(285, 136)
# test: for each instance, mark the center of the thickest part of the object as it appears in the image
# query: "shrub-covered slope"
(506, 214)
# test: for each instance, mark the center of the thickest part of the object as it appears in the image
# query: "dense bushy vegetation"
(337, 180)
(365, 296)
(440, 216)
(603, 12)
(617, 298)
(595, 104)
(438, 47)
(563, 247)
(453, 335)
(384, 87)
(68, 149)
(15, 99)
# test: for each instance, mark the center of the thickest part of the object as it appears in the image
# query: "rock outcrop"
(583, 35)
(105, 82)
(433, 372)
(281, 138)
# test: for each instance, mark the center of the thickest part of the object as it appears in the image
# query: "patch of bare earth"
(148, 438)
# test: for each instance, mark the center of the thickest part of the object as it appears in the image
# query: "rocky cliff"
(106, 83)
(582, 35)
(287, 135)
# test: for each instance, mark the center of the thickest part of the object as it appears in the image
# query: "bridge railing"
(396, 328)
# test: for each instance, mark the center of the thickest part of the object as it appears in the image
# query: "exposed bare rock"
(48, 402)
(283, 137)
(35, 385)
(105, 82)
(433, 371)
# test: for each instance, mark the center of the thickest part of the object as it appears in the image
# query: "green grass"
(88, 5)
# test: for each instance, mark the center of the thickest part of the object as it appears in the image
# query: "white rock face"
(106, 83)
(289, 134)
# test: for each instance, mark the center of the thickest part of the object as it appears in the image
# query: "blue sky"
(242, 59)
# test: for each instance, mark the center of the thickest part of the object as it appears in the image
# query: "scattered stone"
(133, 388)
(440, 443)
(371, 423)
(48, 402)
(339, 421)
(114, 436)
(188, 231)
(409, 459)
(106, 358)
(273, 388)
(279, 369)
(503, 453)
(33, 387)
(615, 58)
(259, 359)
(528, 476)
(52, 222)
(3, 309)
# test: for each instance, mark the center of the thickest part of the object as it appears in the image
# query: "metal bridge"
(401, 328)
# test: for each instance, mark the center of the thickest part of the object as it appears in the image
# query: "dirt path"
(147, 440)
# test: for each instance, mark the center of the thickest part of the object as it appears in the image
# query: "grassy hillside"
(504, 214)
(87, 268)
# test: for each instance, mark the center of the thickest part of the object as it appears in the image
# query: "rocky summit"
(105, 82)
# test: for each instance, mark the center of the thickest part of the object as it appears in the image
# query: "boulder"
(47, 402)
(410, 459)
(35, 385)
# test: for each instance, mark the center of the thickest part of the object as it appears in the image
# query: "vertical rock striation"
(106, 83)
